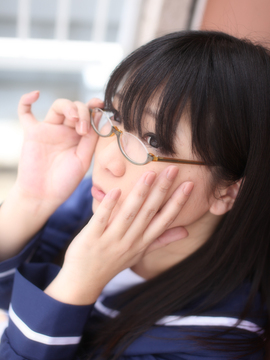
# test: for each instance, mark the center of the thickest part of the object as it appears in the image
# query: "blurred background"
(67, 48)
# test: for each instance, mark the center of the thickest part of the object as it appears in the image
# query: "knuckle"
(181, 202)
(150, 213)
(109, 206)
(61, 101)
(142, 193)
(163, 187)
(178, 200)
(78, 104)
(168, 222)
(101, 219)
(129, 216)
(125, 247)
(108, 203)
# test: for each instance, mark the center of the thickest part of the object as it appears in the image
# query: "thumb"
(168, 237)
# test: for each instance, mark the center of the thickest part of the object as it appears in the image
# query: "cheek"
(197, 205)
(195, 208)
(199, 201)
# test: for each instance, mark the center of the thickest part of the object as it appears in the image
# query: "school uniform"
(41, 328)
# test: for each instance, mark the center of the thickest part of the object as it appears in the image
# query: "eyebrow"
(147, 110)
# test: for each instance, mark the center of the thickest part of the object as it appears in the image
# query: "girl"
(174, 263)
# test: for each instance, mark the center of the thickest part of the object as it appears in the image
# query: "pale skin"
(61, 147)
(150, 218)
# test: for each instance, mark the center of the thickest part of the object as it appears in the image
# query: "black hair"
(224, 82)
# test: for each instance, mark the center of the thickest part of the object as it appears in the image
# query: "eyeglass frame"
(150, 156)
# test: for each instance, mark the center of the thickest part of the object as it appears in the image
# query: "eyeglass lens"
(131, 146)
(101, 122)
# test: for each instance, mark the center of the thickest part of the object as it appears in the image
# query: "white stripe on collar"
(122, 281)
(41, 338)
(7, 273)
(219, 321)
(173, 320)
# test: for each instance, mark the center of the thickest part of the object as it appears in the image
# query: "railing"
(61, 53)
(109, 33)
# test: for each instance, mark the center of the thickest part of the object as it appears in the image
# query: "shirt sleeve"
(42, 328)
(60, 229)
(39, 326)
(65, 223)
(8, 269)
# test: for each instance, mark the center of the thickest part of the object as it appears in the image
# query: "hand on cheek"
(104, 248)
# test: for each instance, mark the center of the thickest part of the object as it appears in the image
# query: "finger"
(63, 110)
(153, 202)
(95, 103)
(83, 125)
(169, 236)
(24, 108)
(132, 205)
(87, 143)
(86, 148)
(99, 220)
(168, 213)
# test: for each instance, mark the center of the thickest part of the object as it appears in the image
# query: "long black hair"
(224, 82)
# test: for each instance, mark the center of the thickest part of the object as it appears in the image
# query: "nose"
(110, 157)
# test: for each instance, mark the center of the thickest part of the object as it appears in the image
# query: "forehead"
(149, 114)
(150, 109)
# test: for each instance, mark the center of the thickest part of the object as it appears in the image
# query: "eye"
(115, 116)
(151, 140)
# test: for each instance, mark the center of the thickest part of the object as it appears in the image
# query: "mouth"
(97, 193)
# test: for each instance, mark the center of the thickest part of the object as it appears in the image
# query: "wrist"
(68, 289)
(27, 214)
(34, 204)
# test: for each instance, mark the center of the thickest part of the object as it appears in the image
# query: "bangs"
(159, 80)
(201, 74)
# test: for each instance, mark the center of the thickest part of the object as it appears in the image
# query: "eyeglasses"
(130, 146)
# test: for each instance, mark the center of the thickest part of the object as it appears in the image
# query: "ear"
(225, 198)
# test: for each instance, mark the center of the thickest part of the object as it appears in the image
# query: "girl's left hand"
(110, 243)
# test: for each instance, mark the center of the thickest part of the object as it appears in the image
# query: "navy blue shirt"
(41, 328)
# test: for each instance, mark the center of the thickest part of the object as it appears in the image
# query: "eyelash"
(148, 141)
(116, 117)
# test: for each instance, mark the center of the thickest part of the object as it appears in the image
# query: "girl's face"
(112, 169)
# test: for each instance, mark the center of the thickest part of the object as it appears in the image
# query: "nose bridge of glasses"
(122, 144)
(117, 132)
(130, 145)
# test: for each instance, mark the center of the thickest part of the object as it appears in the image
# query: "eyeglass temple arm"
(179, 161)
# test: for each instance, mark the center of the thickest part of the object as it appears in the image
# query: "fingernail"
(188, 188)
(172, 172)
(84, 127)
(149, 179)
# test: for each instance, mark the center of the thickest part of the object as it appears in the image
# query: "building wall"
(241, 18)
(160, 17)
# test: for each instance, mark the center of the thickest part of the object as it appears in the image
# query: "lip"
(97, 193)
